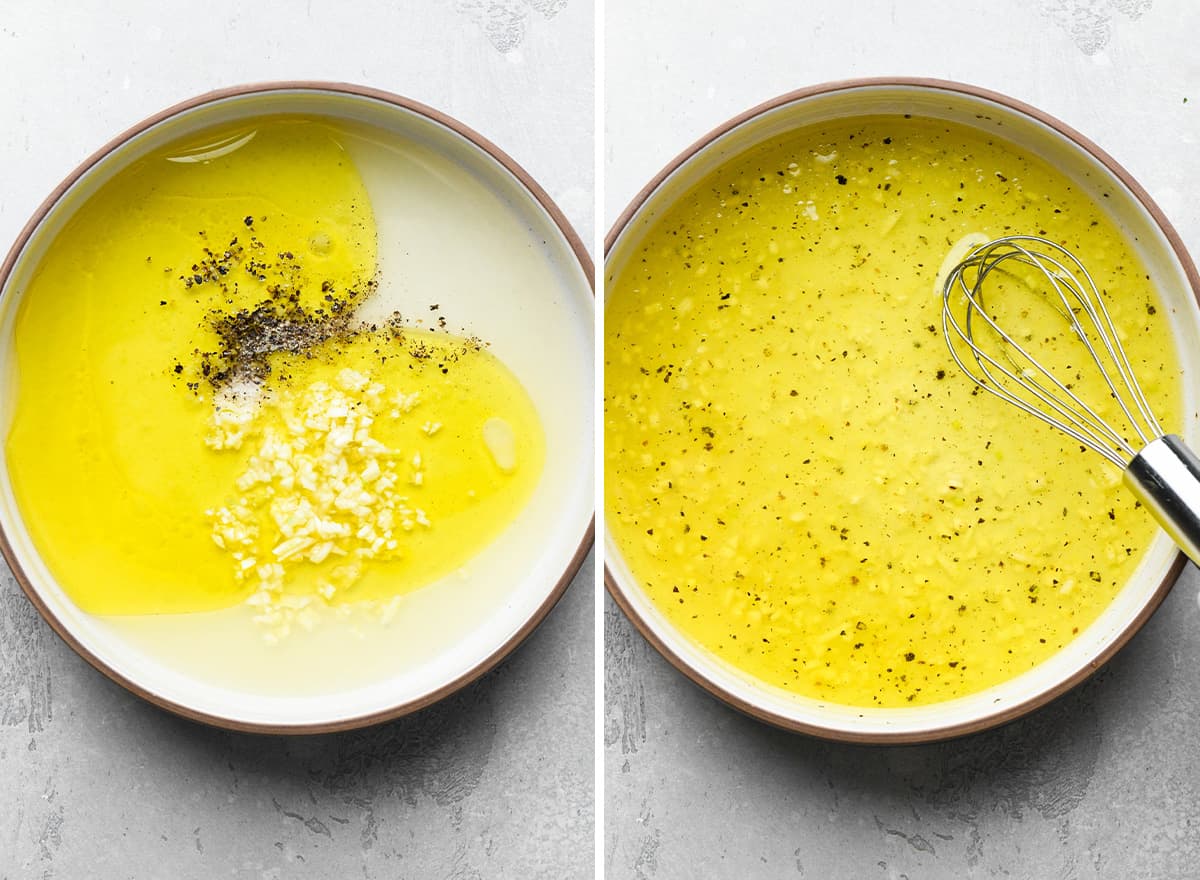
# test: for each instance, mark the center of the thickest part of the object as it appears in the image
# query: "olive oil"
(233, 268)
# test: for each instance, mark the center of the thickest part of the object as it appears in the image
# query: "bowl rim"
(951, 729)
(586, 541)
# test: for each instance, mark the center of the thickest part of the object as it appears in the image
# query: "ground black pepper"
(281, 323)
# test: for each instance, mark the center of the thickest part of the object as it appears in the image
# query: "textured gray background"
(1105, 783)
(494, 782)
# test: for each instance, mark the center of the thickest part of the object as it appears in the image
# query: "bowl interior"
(1169, 268)
(457, 226)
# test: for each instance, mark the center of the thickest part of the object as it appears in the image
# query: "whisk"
(1160, 470)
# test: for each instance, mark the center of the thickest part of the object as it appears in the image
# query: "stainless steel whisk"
(1160, 470)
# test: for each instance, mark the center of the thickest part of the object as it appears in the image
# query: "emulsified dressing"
(200, 420)
(794, 470)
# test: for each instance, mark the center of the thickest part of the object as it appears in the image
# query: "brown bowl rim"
(1011, 713)
(585, 543)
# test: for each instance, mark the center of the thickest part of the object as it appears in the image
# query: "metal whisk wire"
(1003, 366)
(1163, 473)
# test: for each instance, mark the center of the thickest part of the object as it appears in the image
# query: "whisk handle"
(1165, 477)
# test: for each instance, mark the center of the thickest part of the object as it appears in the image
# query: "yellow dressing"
(122, 373)
(794, 469)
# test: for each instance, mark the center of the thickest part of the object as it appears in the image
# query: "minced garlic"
(318, 488)
(366, 470)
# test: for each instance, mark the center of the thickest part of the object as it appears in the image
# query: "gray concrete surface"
(497, 781)
(1104, 783)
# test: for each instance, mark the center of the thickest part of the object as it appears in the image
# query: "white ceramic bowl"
(1172, 272)
(526, 288)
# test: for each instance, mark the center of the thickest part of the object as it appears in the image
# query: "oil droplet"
(501, 443)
